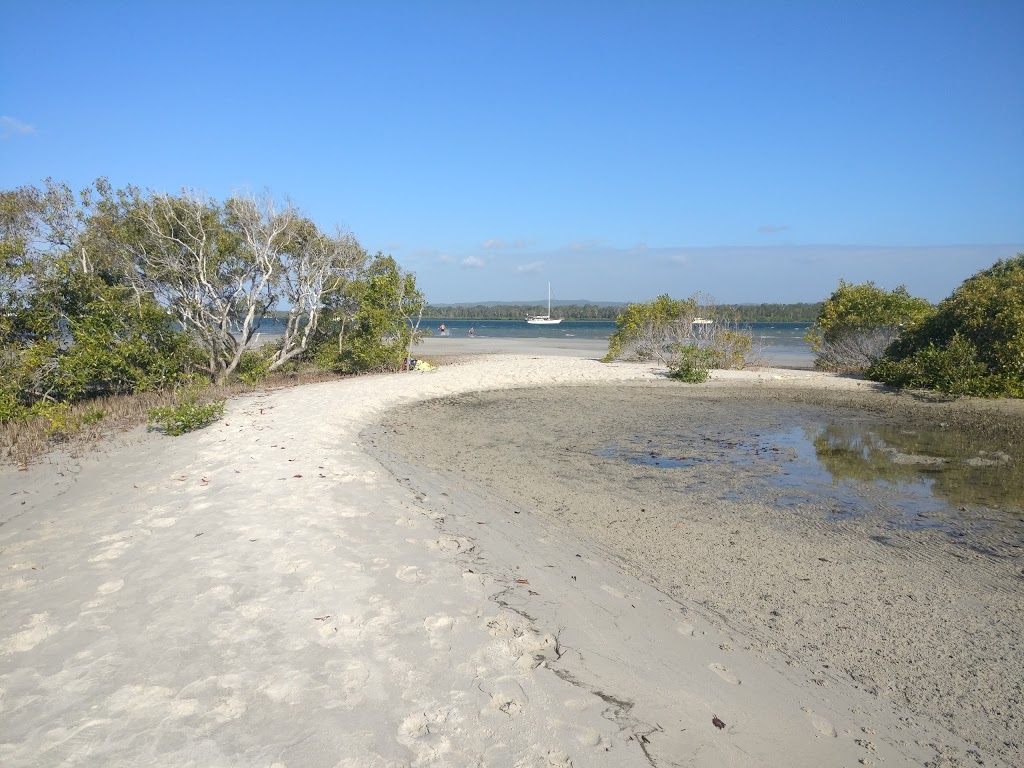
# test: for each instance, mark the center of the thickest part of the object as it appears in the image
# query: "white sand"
(265, 593)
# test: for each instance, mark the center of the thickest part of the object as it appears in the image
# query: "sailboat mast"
(549, 300)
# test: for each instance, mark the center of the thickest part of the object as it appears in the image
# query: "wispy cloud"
(497, 245)
(12, 126)
(679, 258)
(472, 262)
(584, 245)
(533, 266)
(770, 228)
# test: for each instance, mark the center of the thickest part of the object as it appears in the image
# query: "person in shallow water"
(471, 331)
(444, 331)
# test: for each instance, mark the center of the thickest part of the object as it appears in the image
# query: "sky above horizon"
(755, 151)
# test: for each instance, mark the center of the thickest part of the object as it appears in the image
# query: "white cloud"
(472, 261)
(679, 258)
(770, 228)
(495, 244)
(533, 266)
(11, 126)
(584, 245)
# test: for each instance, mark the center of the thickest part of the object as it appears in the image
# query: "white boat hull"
(544, 319)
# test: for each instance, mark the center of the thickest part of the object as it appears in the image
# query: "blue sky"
(758, 151)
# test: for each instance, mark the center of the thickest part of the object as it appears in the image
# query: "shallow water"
(925, 477)
(776, 343)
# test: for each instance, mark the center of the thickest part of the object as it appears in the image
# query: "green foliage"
(731, 348)
(186, 415)
(383, 301)
(972, 345)
(648, 331)
(693, 364)
(858, 322)
(72, 327)
(953, 369)
(61, 421)
(865, 306)
(254, 365)
(664, 330)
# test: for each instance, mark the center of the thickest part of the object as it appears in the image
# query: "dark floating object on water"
(717, 723)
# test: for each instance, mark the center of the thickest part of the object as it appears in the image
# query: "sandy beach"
(415, 570)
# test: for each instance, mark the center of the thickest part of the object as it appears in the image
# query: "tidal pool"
(929, 477)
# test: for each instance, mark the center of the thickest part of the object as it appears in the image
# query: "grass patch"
(80, 426)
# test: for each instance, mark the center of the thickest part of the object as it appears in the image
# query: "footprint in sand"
(110, 587)
(409, 573)
(724, 673)
(506, 695)
(684, 629)
(823, 726)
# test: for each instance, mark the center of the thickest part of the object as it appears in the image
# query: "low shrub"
(254, 366)
(693, 364)
(186, 415)
(62, 420)
(684, 334)
(953, 369)
(972, 345)
(858, 322)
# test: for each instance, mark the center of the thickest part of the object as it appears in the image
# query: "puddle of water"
(654, 459)
(927, 478)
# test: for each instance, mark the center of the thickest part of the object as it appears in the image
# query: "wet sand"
(927, 617)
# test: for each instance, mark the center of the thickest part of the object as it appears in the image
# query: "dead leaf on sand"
(717, 723)
(522, 581)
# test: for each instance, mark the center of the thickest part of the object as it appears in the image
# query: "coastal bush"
(254, 366)
(186, 414)
(375, 323)
(684, 334)
(692, 364)
(972, 345)
(858, 322)
(61, 420)
(72, 327)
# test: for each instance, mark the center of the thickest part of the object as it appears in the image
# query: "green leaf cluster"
(374, 325)
(664, 330)
(186, 415)
(647, 331)
(972, 345)
(692, 364)
(71, 327)
(864, 306)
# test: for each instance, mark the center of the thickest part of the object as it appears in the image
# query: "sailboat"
(544, 319)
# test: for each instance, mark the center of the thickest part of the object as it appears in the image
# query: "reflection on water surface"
(918, 477)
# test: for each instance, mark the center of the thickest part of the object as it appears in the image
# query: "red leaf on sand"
(23, 469)
(522, 581)
(296, 475)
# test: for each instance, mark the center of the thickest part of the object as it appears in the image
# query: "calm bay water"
(777, 342)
